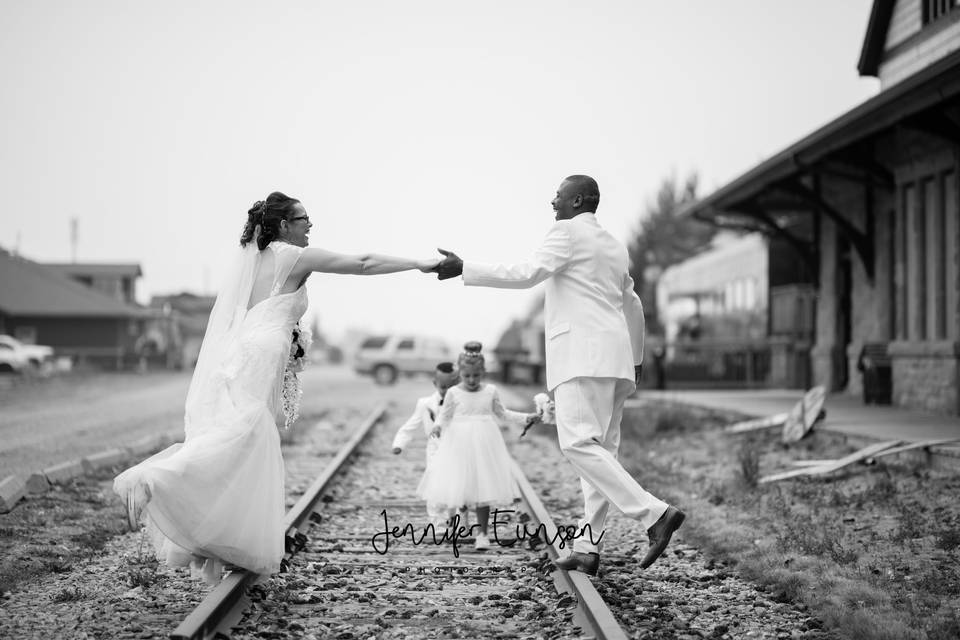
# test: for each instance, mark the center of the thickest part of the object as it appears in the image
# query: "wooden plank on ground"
(922, 444)
(804, 414)
(756, 424)
(856, 456)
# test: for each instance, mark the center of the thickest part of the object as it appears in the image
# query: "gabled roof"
(92, 269)
(31, 289)
(876, 37)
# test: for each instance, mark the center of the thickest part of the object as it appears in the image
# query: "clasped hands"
(450, 266)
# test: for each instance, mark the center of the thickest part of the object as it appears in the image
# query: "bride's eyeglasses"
(295, 218)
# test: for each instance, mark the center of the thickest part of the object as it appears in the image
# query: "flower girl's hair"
(471, 354)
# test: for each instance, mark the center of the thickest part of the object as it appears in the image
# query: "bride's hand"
(428, 266)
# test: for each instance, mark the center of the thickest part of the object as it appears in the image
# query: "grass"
(871, 551)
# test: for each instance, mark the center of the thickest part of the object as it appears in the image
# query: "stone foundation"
(925, 376)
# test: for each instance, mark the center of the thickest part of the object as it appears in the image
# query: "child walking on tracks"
(471, 468)
(424, 417)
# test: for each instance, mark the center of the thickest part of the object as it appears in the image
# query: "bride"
(218, 498)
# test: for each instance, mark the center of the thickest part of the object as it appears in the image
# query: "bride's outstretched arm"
(364, 264)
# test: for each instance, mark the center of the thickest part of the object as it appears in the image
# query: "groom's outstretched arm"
(551, 257)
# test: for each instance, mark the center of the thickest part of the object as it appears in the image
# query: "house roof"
(31, 289)
(871, 54)
(94, 269)
(932, 86)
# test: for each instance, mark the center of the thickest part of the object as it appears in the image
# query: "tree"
(663, 239)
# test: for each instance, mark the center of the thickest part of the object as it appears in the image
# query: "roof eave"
(871, 53)
(938, 82)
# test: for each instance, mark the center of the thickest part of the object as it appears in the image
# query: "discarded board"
(756, 424)
(921, 444)
(804, 414)
(811, 463)
(867, 452)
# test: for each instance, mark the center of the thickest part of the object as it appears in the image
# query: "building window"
(935, 9)
(925, 267)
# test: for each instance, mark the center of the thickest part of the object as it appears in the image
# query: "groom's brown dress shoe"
(660, 534)
(586, 562)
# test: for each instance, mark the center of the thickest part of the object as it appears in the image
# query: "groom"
(594, 349)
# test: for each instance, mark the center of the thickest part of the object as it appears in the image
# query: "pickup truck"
(16, 356)
(385, 357)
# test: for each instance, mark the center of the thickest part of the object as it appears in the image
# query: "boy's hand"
(397, 450)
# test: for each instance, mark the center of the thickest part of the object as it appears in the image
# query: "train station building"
(869, 205)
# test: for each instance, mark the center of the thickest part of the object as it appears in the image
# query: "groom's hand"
(450, 267)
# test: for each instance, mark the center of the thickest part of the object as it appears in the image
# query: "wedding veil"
(219, 340)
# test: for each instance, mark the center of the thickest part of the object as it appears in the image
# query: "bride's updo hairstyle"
(471, 354)
(268, 214)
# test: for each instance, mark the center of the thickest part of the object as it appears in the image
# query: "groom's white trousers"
(589, 411)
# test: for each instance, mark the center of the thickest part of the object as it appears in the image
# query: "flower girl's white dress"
(472, 465)
(218, 497)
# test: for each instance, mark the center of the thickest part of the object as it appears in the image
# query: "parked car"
(17, 356)
(11, 360)
(385, 357)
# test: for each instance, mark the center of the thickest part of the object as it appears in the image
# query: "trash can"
(875, 364)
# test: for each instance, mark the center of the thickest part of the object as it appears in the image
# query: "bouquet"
(546, 413)
(291, 391)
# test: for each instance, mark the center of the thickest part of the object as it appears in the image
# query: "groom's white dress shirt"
(594, 336)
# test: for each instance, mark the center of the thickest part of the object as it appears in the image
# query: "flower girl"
(471, 467)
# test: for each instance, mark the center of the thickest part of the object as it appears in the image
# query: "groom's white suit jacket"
(593, 319)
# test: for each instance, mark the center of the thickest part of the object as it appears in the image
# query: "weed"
(68, 595)
(749, 458)
(140, 577)
(815, 539)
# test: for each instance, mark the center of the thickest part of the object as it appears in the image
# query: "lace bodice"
(483, 403)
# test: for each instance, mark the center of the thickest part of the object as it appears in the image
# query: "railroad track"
(354, 576)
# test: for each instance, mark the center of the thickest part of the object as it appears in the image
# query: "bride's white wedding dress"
(218, 497)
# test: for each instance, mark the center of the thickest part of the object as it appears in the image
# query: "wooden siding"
(906, 61)
(907, 19)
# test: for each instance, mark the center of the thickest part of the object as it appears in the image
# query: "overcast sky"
(401, 126)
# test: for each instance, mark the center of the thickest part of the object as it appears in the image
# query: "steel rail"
(223, 607)
(592, 609)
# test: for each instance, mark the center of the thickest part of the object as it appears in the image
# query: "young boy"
(424, 417)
